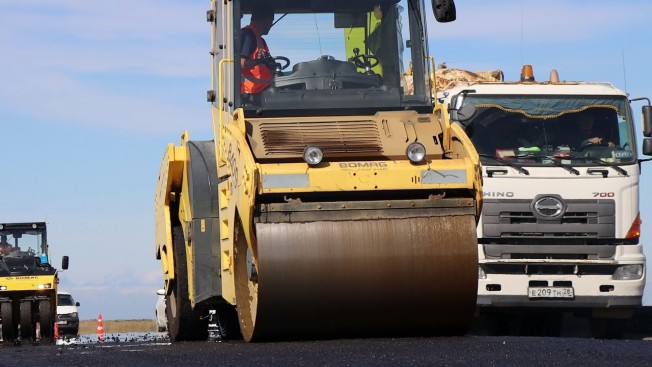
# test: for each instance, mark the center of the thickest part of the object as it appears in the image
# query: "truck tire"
(26, 330)
(45, 318)
(184, 323)
(7, 314)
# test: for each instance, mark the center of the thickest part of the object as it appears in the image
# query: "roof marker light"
(527, 75)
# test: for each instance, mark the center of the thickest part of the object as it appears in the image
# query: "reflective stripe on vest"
(258, 77)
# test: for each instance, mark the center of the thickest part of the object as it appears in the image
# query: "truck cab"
(560, 225)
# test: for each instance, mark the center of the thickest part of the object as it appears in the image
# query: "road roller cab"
(332, 202)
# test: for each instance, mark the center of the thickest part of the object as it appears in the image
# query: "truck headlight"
(3, 287)
(44, 286)
(416, 152)
(628, 272)
(313, 155)
(481, 273)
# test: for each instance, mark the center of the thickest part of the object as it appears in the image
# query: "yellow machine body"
(325, 249)
(28, 283)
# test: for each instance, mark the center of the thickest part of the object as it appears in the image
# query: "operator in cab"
(254, 54)
(5, 247)
(587, 134)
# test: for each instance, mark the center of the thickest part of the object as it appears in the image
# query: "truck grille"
(333, 137)
(515, 219)
(549, 269)
(528, 217)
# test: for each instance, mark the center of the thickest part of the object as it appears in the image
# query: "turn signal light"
(635, 229)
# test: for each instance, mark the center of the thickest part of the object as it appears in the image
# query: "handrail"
(221, 88)
(434, 79)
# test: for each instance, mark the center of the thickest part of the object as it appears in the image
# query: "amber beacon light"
(527, 75)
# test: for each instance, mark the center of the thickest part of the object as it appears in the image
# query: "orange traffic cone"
(56, 331)
(100, 329)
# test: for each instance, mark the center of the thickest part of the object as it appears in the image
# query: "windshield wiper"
(506, 163)
(557, 162)
(599, 161)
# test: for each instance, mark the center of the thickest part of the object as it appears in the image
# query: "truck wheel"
(183, 322)
(45, 318)
(8, 330)
(608, 328)
(26, 329)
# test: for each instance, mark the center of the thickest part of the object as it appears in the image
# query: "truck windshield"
(545, 130)
(337, 56)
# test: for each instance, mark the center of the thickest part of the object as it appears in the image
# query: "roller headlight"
(628, 272)
(416, 152)
(313, 155)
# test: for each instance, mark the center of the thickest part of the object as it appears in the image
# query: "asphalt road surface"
(471, 350)
(574, 348)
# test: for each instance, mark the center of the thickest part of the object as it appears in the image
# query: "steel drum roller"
(344, 278)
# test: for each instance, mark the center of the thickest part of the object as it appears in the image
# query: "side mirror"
(161, 292)
(647, 146)
(444, 10)
(463, 114)
(647, 121)
(77, 304)
(64, 262)
(453, 102)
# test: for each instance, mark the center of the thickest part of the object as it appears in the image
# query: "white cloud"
(63, 63)
(154, 277)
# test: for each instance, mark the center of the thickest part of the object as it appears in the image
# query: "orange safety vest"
(259, 77)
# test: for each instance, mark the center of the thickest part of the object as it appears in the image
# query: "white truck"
(560, 225)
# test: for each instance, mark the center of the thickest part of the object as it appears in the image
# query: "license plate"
(62, 322)
(551, 292)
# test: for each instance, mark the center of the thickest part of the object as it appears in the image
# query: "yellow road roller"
(335, 199)
(28, 283)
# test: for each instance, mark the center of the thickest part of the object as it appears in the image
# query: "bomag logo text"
(363, 165)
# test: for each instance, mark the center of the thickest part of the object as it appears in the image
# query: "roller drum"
(406, 276)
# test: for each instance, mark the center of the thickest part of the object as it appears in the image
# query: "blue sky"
(92, 91)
